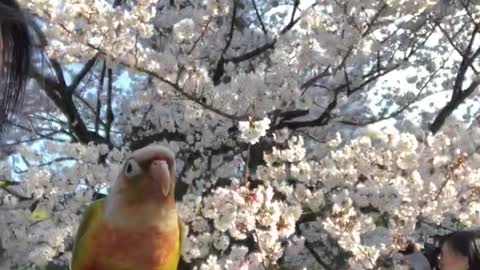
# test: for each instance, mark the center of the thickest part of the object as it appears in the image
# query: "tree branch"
(84, 102)
(251, 54)
(64, 101)
(16, 194)
(322, 120)
(469, 13)
(99, 95)
(466, 62)
(58, 72)
(219, 70)
(110, 116)
(29, 140)
(79, 77)
(325, 73)
(177, 89)
(191, 97)
(48, 163)
(325, 117)
(374, 18)
(458, 95)
(259, 17)
(460, 52)
(406, 106)
(200, 37)
(148, 139)
(270, 45)
(451, 106)
(6, 183)
(311, 249)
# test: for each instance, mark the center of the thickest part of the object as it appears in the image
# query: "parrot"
(136, 226)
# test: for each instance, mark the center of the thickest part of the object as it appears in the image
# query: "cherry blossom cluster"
(373, 193)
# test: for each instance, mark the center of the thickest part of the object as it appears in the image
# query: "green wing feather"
(92, 214)
(182, 234)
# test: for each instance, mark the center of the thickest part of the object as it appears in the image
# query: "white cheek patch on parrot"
(159, 171)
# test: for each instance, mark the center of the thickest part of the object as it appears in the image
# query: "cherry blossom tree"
(264, 104)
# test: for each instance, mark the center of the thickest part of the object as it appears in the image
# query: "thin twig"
(259, 17)
(16, 194)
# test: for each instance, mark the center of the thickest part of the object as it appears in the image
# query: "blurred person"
(415, 259)
(460, 250)
(15, 57)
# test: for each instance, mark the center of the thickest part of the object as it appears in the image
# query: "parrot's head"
(147, 177)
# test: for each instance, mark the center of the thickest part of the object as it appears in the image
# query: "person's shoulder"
(418, 261)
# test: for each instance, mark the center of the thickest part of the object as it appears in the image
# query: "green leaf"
(5, 183)
(372, 135)
(39, 215)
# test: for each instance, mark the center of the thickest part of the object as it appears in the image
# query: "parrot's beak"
(159, 171)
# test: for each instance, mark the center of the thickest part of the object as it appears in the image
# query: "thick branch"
(99, 96)
(149, 139)
(458, 95)
(317, 257)
(64, 101)
(452, 43)
(451, 106)
(466, 62)
(320, 121)
(79, 77)
(308, 245)
(251, 54)
(58, 72)
(219, 70)
(110, 116)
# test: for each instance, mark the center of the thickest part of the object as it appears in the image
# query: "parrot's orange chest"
(149, 248)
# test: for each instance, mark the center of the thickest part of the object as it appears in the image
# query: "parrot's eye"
(132, 168)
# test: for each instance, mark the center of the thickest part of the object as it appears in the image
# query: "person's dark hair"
(465, 243)
(15, 57)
